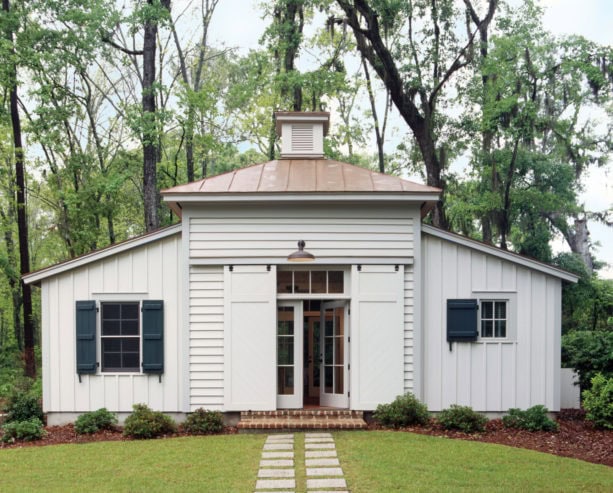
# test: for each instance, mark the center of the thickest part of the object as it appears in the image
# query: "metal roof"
(301, 176)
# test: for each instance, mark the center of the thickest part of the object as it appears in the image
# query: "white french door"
(289, 354)
(334, 346)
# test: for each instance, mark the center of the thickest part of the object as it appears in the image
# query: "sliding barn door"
(250, 338)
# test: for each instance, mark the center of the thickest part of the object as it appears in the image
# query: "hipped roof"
(301, 176)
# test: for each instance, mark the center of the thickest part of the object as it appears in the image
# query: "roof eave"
(419, 197)
(503, 254)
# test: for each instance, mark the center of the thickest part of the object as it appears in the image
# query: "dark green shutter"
(462, 320)
(86, 337)
(153, 336)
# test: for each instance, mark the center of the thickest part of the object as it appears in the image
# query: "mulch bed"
(576, 438)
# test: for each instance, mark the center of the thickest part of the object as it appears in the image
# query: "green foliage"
(532, 419)
(589, 352)
(203, 422)
(25, 430)
(598, 401)
(24, 402)
(95, 421)
(146, 423)
(405, 410)
(462, 418)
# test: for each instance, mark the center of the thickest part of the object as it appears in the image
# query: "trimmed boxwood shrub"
(405, 410)
(94, 421)
(532, 419)
(146, 423)
(27, 430)
(598, 402)
(203, 422)
(462, 418)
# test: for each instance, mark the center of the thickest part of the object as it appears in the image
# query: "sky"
(239, 23)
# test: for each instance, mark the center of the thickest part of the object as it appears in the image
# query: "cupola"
(302, 133)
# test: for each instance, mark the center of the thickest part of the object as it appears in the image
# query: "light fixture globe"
(301, 255)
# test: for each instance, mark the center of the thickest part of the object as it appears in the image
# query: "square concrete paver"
(324, 471)
(272, 484)
(319, 440)
(317, 445)
(278, 446)
(280, 463)
(321, 462)
(276, 473)
(318, 435)
(310, 454)
(279, 454)
(326, 483)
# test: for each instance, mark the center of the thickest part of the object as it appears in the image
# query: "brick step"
(302, 419)
(301, 424)
(303, 414)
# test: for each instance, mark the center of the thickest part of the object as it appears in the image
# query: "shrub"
(145, 423)
(462, 418)
(405, 410)
(22, 404)
(598, 402)
(532, 419)
(588, 352)
(95, 421)
(27, 430)
(203, 422)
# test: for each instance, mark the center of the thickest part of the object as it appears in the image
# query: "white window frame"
(511, 311)
(318, 296)
(119, 297)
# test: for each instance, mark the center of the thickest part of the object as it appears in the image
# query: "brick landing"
(305, 419)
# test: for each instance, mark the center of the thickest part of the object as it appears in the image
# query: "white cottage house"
(215, 312)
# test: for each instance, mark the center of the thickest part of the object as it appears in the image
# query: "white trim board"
(34, 277)
(497, 252)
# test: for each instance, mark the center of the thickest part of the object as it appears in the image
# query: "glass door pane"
(285, 350)
(334, 351)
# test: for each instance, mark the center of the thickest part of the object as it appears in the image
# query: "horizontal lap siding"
(206, 336)
(408, 328)
(489, 376)
(147, 272)
(273, 232)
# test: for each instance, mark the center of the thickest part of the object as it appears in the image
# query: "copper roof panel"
(247, 179)
(357, 179)
(220, 184)
(302, 175)
(275, 176)
(329, 176)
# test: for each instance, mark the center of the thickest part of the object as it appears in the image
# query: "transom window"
(310, 281)
(493, 319)
(120, 337)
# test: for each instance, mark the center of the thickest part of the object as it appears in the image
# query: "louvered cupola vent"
(302, 134)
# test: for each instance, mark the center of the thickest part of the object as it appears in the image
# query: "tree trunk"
(22, 221)
(150, 193)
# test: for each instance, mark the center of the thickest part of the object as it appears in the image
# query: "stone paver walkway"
(277, 465)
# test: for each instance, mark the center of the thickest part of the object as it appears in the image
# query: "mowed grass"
(225, 463)
(396, 461)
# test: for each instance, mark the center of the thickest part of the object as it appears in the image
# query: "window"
(494, 319)
(120, 337)
(310, 282)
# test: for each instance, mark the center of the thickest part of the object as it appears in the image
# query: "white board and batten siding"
(520, 371)
(272, 232)
(151, 271)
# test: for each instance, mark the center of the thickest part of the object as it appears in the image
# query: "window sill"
(495, 341)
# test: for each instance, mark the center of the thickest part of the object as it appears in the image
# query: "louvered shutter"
(153, 336)
(462, 318)
(86, 336)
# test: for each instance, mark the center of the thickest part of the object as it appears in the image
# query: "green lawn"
(225, 463)
(394, 461)
(372, 462)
